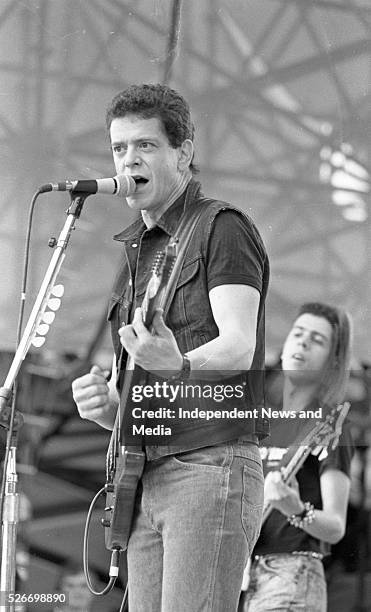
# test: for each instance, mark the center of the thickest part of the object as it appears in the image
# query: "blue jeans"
(197, 520)
(286, 583)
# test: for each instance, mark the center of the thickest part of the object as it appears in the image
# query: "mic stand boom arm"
(10, 518)
(43, 296)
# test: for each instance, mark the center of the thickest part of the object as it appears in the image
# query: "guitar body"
(125, 463)
(120, 497)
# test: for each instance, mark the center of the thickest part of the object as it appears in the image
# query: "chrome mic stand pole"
(9, 534)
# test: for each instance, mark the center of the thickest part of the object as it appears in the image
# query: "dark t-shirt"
(277, 535)
(235, 255)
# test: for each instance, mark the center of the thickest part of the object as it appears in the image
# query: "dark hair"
(336, 373)
(155, 100)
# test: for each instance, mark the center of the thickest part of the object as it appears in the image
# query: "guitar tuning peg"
(48, 317)
(58, 290)
(42, 329)
(158, 258)
(54, 303)
(38, 341)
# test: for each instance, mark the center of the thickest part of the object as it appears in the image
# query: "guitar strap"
(182, 238)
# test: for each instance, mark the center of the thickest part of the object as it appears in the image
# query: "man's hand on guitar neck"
(94, 399)
(153, 350)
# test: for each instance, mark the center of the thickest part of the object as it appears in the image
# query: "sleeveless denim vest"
(190, 316)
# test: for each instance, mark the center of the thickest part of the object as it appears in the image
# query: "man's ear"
(185, 155)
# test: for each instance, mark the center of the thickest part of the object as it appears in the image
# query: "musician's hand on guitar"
(283, 497)
(91, 395)
(152, 350)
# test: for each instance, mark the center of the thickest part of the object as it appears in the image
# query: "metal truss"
(272, 84)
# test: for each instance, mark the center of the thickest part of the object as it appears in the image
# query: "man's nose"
(131, 157)
(304, 340)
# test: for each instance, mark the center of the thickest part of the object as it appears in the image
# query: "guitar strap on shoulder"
(182, 239)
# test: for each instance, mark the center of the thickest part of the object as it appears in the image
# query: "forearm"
(325, 526)
(225, 355)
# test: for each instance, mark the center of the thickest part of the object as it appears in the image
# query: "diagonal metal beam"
(346, 6)
(316, 62)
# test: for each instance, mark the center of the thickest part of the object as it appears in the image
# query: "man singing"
(199, 504)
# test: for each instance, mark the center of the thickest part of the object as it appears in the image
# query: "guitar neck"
(154, 298)
(115, 440)
(296, 461)
(288, 472)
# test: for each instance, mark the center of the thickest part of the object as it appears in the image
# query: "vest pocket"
(188, 272)
(190, 306)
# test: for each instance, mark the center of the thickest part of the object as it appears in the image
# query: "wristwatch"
(185, 371)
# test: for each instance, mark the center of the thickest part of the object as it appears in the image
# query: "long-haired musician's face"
(307, 348)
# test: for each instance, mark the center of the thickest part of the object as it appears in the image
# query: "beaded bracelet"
(305, 518)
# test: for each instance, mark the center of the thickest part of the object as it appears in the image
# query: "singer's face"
(307, 348)
(141, 149)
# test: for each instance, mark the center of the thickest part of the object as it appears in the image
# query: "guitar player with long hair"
(199, 501)
(308, 513)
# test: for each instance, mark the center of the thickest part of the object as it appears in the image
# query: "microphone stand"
(10, 419)
(9, 530)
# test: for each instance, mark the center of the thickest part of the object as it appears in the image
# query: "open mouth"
(140, 180)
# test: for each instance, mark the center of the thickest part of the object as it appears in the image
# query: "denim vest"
(190, 316)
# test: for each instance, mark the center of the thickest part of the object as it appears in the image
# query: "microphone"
(120, 185)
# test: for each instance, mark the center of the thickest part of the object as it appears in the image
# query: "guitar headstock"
(330, 429)
(161, 271)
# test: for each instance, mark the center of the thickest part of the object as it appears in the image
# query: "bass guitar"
(125, 463)
(317, 439)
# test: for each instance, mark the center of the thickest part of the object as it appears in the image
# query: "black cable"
(115, 555)
(123, 607)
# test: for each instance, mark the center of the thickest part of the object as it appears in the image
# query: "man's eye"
(118, 148)
(146, 145)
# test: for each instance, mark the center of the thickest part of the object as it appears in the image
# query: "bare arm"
(329, 523)
(234, 308)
